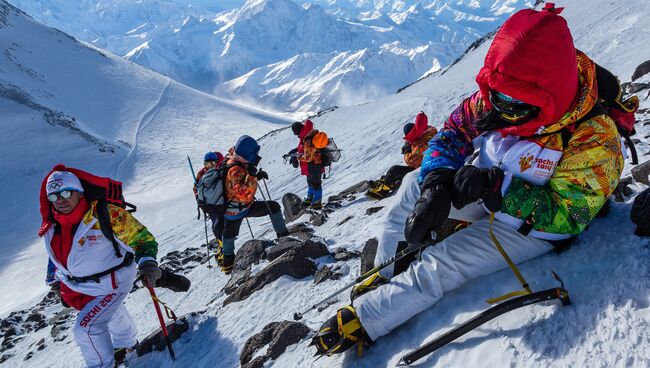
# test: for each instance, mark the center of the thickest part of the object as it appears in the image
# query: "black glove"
(432, 208)
(261, 174)
(406, 148)
(472, 184)
(294, 162)
(251, 169)
(149, 271)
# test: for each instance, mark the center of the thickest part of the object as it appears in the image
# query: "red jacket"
(307, 153)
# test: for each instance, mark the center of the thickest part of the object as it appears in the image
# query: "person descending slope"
(417, 137)
(310, 163)
(96, 273)
(241, 184)
(549, 156)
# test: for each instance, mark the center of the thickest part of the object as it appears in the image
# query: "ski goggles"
(512, 110)
(65, 194)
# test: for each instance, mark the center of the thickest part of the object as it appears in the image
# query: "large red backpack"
(96, 188)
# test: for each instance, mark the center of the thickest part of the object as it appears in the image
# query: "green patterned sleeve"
(587, 174)
(132, 233)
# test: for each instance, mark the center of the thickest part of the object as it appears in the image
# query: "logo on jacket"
(525, 162)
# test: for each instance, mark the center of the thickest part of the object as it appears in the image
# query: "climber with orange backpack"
(311, 162)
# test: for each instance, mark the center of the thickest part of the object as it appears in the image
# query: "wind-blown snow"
(606, 270)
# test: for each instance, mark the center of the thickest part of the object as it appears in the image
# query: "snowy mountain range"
(277, 42)
(64, 101)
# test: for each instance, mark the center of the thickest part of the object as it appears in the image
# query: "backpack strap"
(104, 218)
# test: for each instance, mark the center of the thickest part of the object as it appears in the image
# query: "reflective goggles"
(65, 194)
(512, 110)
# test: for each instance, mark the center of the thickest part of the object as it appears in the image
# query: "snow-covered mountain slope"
(606, 270)
(203, 50)
(317, 81)
(62, 101)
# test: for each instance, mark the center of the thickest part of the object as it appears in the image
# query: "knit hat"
(63, 180)
(247, 148)
(210, 156)
(407, 128)
(296, 127)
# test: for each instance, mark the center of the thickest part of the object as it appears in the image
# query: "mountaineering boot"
(228, 255)
(339, 333)
(280, 227)
(123, 355)
(371, 283)
(310, 196)
(216, 246)
(380, 191)
(227, 263)
(317, 204)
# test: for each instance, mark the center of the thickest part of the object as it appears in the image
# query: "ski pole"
(407, 251)
(191, 169)
(249, 228)
(267, 189)
(264, 197)
(198, 210)
(163, 327)
(207, 242)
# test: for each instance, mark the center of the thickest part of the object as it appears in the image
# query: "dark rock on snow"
(368, 255)
(641, 70)
(278, 336)
(294, 263)
(343, 254)
(326, 273)
(156, 340)
(284, 245)
(372, 210)
(293, 207)
(623, 189)
(641, 173)
(641, 213)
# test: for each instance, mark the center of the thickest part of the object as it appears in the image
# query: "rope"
(512, 266)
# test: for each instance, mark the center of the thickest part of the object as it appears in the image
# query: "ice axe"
(412, 248)
(163, 326)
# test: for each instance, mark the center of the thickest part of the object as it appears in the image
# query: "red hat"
(421, 125)
(532, 58)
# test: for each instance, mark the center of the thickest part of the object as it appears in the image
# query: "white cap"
(63, 180)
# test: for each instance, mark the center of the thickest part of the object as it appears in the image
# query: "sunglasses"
(512, 110)
(65, 194)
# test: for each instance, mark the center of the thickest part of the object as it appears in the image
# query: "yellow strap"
(512, 266)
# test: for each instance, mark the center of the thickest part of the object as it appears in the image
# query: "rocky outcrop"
(278, 336)
(641, 173)
(641, 70)
(368, 255)
(296, 263)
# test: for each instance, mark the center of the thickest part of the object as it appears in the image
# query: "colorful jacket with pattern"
(414, 158)
(558, 188)
(240, 185)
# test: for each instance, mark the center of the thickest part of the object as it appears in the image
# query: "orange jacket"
(414, 158)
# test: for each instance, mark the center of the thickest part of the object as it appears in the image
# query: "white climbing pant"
(401, 206)
(102, 325)
(462, 256)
